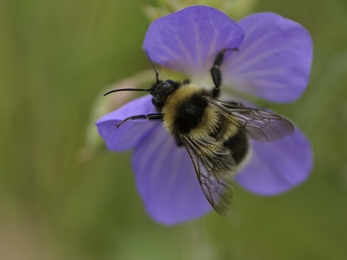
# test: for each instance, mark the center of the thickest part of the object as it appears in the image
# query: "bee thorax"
(187, 112)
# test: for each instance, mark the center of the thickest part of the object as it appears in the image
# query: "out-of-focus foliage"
(234, 8)
(56, 57)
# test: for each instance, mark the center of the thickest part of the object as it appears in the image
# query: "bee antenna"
(156, 72)
(126, 89)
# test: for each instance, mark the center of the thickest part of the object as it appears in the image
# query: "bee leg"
(156, 116)
(216, 72)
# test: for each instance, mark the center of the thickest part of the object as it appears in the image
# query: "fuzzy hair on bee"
(215, 133)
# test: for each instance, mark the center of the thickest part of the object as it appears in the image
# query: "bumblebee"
(214, 132)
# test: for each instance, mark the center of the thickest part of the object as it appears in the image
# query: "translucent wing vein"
(215, 171)
(260, 125)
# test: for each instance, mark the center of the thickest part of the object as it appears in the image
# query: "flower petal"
(189, 40)
(166, 180)
(274, 60)
(131, 132)
(276, 167)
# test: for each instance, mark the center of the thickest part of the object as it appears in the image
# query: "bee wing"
(260, 125)
(214, 167)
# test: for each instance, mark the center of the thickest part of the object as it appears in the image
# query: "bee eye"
(169, 83)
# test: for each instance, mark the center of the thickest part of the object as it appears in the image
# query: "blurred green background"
(56, 57)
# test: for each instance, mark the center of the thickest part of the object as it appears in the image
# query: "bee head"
(161, 90)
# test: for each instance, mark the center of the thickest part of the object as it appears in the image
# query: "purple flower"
(272, 62)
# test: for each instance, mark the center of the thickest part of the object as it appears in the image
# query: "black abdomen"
(239, 146)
